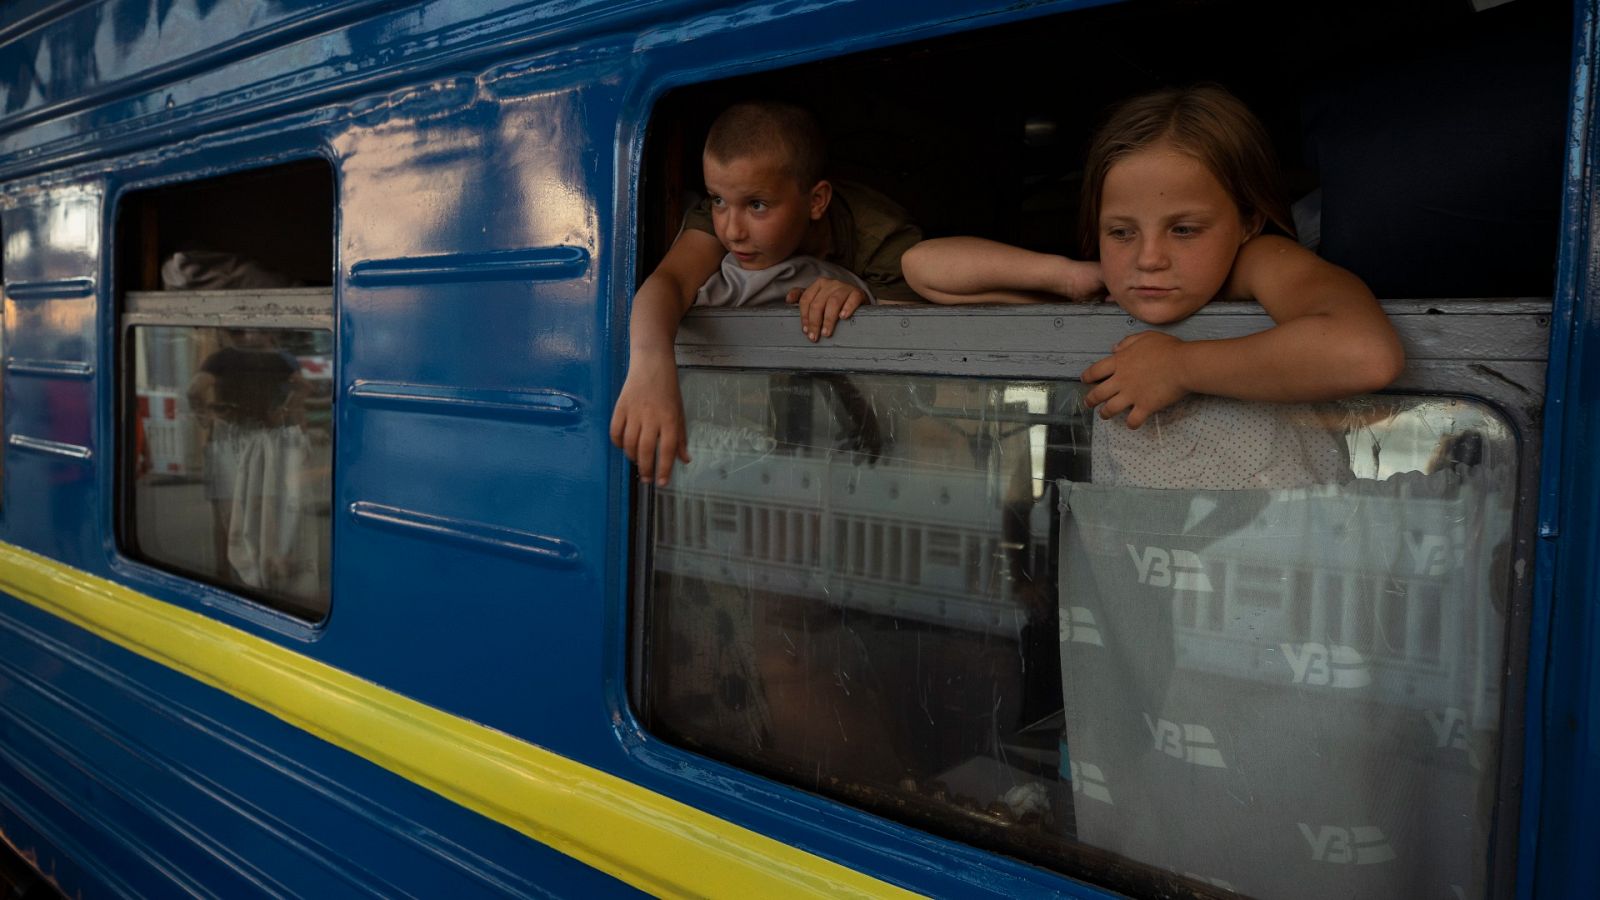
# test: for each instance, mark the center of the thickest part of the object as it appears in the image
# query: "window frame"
(1491, 351)
(306, 308)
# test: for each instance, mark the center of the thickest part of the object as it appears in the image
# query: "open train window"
(890, 578)
(1421, 142)
(226, 325)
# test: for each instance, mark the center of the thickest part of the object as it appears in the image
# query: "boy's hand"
(1143, 375)
(648, 421)
(823, 304)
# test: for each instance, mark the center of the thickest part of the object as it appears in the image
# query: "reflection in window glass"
(906, 593)
(233, 438)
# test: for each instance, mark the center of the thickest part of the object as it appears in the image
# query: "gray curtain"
(1287, 693)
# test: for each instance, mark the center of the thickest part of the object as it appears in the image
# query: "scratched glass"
(233, 445)
(905, 593)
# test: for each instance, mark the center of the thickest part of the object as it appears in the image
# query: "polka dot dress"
(1215, 443)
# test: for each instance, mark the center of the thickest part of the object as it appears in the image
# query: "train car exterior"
(438, 666)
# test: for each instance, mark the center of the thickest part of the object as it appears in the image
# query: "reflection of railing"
(901, 540)
(170, 437)
(1406, 607)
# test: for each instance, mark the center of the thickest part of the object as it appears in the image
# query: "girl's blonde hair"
(1205, 122)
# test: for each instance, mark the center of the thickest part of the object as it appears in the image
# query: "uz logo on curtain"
(1194, 744)
(1327, 665)
(1431, 554)
(1363, 845)
(1180, 570)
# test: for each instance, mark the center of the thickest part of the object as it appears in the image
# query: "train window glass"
(234, 458)
(904, 593)
(227, 342)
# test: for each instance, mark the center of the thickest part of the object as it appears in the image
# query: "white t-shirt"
(733, 286)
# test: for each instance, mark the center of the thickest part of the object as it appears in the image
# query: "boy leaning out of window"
(771, 228)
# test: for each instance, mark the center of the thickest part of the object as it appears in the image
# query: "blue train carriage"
(319, 576)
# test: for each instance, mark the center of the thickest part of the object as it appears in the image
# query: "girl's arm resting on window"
(959, 270)
(1331, 340)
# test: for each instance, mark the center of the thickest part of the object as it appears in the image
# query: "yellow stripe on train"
(650, 841)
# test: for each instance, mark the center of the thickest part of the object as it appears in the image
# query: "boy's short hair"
(757, 127)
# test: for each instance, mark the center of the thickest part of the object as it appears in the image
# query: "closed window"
(911, 593)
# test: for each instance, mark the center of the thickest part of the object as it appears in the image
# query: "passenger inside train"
(1181, 207)
(771, 228)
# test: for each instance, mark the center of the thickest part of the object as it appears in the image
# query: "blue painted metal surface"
(486, 166)
(1563, 741)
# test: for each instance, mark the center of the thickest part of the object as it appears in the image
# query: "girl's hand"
(1143, 375)
(1079, 280)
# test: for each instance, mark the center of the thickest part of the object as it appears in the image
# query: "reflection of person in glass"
(251, 395)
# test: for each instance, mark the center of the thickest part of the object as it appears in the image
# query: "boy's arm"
(1331, 340)
(648, 421)
(974, 270)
